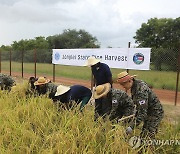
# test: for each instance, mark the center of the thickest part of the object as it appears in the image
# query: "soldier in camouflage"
(148, 107)
(118, 103)
(44, 86)
(6, 82)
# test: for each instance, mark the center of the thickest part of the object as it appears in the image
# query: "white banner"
(125, 58)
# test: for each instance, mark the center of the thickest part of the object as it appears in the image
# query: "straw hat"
(41, 80)
(92, 61)
(124, 77)
(61, 90)
(101, 90)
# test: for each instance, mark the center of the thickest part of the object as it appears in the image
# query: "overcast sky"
(112, 22)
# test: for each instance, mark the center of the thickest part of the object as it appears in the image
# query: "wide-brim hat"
(92, 61)
(124, 77)
(61, 89)
(101, 90)
(41, 81)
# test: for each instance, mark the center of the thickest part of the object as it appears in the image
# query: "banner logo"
(57, 56)
(138, 58)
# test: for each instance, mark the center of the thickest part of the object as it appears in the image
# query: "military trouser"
(102, 108)
(150, 127)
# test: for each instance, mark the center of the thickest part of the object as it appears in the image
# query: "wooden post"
(22, 54)
(10, 62)
(129, 45)
(0, 60)
(177, 80)
(35, 59)
(54, 69)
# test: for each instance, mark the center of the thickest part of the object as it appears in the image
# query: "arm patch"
(142, 102)
(114, 101)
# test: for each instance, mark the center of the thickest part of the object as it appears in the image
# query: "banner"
(124, 58)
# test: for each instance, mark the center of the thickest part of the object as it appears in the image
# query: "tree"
(68, 39)
(37, 43)
(160, 34)
(27, 47)
(73, 39)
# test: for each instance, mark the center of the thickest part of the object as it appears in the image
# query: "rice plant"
(37, 125)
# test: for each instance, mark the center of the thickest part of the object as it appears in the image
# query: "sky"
(112, 22)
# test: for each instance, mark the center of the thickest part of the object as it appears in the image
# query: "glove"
(129, 130)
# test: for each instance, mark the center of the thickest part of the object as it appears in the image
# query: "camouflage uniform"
(122, 104)
(148, 106)
(6, 82)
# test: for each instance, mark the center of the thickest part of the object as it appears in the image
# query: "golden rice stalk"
(20, 89)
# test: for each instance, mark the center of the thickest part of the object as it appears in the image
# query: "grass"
(34, 125)
(158, 79)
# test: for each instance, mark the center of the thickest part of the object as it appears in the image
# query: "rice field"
(35, 125)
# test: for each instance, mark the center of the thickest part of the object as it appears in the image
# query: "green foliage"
(24, 49)
(163, 36)
(70, 39)
(159, 33)
(37, 43)
(5, 48)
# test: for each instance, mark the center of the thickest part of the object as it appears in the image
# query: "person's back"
(140, 90)
(6, 82)
(72, 96)
(78, 92)
(101, 73)
(121, 104)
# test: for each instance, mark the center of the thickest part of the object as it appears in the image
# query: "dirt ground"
(165, 96)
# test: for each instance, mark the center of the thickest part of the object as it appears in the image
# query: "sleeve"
(115, 95)
(109, 74)
(115, 105)
(141, 101)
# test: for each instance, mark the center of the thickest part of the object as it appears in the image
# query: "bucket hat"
(41, 80)
(124, 77)
(92, 61)
(61, 89)
(101, 90)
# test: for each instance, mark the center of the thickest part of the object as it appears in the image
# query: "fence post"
(0, 60)
(177, 81)
(54, 69)
(129, 45)
(35, 60)
(22, 63)
(10, 62)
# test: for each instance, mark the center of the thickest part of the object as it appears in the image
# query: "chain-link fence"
(164, 59)
(164, 73)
